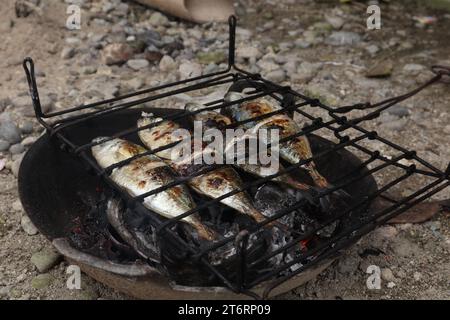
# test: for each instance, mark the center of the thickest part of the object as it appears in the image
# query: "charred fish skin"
(212, 184)
(145, 174)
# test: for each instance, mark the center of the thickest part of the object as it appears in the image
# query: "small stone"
(16, 148)
(276, 75)
(417, 276)
(212, 67)
(372, 49)
(158, 19)
(28, 141)
(137, 64)
(42, 281)
(267, 65)
(28, 226)
(167, 63)
(398, 110)
(343, 38)
(387, 275)
(211, 57)
(189, 70)
(26, 127)
(306, 71)
(9, 131)
(15, 166)
(395, 125)
(4, 291)
(67, 53)
(381, 69)
(45, 259)
(390, 285)
(88, 70)
(248, 52)
(133, 84)
(116, 53)
(17, 206)
(334, 21)
(4, 145)
(447, 129)
(153, 56)
(413, 67)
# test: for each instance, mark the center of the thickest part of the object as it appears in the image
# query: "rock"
(9, 131)
(405, 248)
(17, 206)
(158, 19)
(384, 233)
(212, 67)
(335, 21)
(133, 84)
(4, 102)
(417, 276)
(26, 127)
(387, 275)
(413, 67)
(398, 110)
(372, 49)
(42, 281)
(167, 63)
(276, 75)
(15, 166)
(16, 148)
(45, 259)
(116, 53)
(267, 65)
(447, 129)
(28, 226)
(137, 64)
(153, 56)
(248, 52)
(380, 69)
(306, 71)
(390, 285)
(189, 69)
(395, 125)
(343, 38)
(211, 57)
(88, 70)
(67, 53)
(4, 145)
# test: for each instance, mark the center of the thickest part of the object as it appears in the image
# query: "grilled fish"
(212, 184)
(212, 119)
(294, 150)
(145, 174)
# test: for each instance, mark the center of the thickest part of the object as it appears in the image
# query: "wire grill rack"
(404, 166)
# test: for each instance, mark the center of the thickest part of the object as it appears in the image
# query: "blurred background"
(322, 48)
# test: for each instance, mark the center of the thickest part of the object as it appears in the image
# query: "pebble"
(306, 71)
(28, 226)
(153, 56)
(26, 107)
(45, 259)
(380, 69)
(276, 75)
(26, 127)
(67, 53)
(398, 110)
(9, 131)
(88, 70)
(387, 275)
(189, 69)
(211, 57)
(248, 52)
(373, 49)
(138, 64)
(413, 67)
(417, 276)
(4, 291)
(167, 63)
(4, 145)
(42, 281)
(395, 124)
(116, 53)
(16, 148)
(390, 285)
(343, 38)
(158, 19)
(447, 129)
(335, 21)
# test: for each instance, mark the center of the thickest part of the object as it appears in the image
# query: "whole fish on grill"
(294, 150)
(212, 119)
(213, 184)
(145, 174)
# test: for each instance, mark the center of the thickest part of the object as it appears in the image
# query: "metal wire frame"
(284, 94)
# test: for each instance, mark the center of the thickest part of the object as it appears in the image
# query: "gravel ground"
(321, 48)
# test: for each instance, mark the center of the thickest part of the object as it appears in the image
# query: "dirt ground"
(414, 258)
